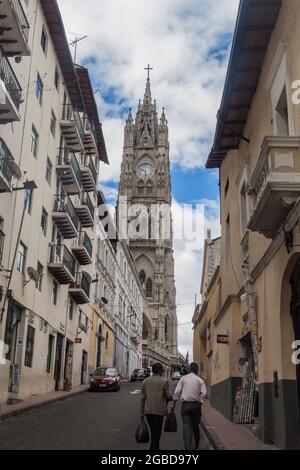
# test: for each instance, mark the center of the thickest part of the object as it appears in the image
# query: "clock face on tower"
(145, 171)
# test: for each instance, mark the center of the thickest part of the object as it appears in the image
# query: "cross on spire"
(148, 69)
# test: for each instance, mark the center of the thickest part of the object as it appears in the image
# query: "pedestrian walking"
(155, 395)
(191, 390)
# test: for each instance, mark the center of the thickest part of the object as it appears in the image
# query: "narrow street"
(89, 421)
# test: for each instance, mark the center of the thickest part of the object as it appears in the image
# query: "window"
(40, 270)
(50, 351)
(106, 340)
(54, 292)
(282, 114)
(149, 287)
(228, 240)
(53, 123)
(142, 277)
(44, 41)
(48, 171)
(21, 262)
(34, 141)
(44, 221)
(226, 187)
(244, 214)
(71, 309)
(29, 346)
(56, 79)
(2, 238)
(28, 193)
(39, 89)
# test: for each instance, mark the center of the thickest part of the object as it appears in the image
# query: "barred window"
(29, 346)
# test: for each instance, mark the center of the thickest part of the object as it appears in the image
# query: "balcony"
(10, 93)
(6, 161)
(68, 171)
(80, 289)
(2, 239)
(64, 216)
(90, 138)
(83, 249)
(62, 264)
(14, 29)
(88, 173)
(72, 129)
(275, 184)
(85, 210)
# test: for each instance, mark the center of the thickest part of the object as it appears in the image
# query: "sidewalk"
(6, 411)
(225, 435)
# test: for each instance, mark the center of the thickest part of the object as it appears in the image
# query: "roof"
(255, 23)
(59, 38)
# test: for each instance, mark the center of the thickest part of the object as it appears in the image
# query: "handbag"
(170, 423)
(141, 433)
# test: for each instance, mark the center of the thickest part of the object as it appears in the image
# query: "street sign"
(78, 340)
(222, 339)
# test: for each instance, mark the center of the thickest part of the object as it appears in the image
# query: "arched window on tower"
(142, 276)
(166, 329)
(149, 286)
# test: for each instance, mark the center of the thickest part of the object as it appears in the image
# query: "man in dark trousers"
(192, 391)
(155, 395)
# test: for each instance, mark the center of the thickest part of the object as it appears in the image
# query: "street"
(88, 421)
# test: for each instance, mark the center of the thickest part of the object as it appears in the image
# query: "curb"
(21, 411)
(212, 436)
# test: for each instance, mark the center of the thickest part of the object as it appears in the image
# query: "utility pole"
(75, 43)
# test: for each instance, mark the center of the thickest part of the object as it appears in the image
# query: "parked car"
(105, 378)
(176, 375)
(140, 374)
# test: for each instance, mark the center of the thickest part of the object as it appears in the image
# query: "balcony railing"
(20, 14)
(86, 200)
(85, 241)
(64, 205)
(60, 255)
(274, 185)
(88, 162)
(2, 239)
(69, 114)
(6, 160)
(68, 158)
(10, 80)
(80, 289)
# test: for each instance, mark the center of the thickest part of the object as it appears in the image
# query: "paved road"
(89, 421)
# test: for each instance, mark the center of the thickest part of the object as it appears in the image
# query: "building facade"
(51, 144)
(144, 214)
(256, 149)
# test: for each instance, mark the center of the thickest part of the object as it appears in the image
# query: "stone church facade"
(145, 191)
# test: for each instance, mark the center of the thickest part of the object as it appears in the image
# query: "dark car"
(140, 374)
(105, 378)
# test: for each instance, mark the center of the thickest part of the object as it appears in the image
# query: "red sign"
(222, 339)
(78, 340)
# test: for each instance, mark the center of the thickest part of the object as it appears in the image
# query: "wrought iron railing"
(64, 204)
(21, 17)
(6, 160)
(83, 282)
(12, 85)
(60, 254)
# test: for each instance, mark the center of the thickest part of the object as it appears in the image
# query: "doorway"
(295, 313)
(84, 367)
(68, 364)
(58, 360)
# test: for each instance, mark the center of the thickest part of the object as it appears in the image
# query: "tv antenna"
(75, 43)
(33, 275)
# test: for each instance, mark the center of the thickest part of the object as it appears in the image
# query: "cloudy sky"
(187, 42)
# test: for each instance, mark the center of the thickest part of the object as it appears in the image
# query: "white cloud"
(182, 40)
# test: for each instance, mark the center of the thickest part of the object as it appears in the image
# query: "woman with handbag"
(155, 395)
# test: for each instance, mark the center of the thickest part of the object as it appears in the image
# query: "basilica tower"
(145, 187)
